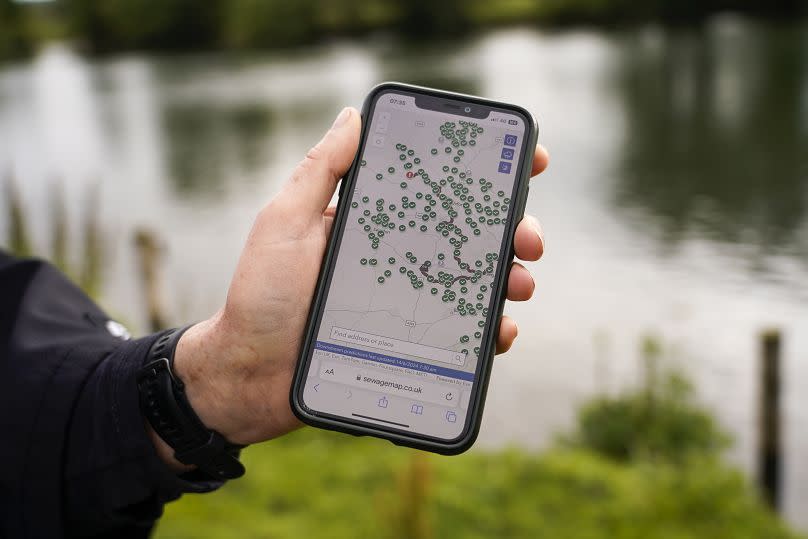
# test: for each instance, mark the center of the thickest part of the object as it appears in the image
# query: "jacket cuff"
(111, 458)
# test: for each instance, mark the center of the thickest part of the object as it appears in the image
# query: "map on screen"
(414, 272)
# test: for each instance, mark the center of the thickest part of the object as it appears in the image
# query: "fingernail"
(342, 118)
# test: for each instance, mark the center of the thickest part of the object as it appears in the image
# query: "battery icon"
(512, 122)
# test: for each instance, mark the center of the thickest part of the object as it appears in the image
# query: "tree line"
(113, 25)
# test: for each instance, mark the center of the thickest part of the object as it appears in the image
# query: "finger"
(520, 283)
(507, 334)
(328, 224)
(540, 160)
(330, 211)
(528, 242)
(315, 179)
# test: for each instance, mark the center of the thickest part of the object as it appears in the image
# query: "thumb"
(315, 179)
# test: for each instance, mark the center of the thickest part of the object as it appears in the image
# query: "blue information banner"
(397, 361)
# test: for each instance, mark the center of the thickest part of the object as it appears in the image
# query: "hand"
(238, 365)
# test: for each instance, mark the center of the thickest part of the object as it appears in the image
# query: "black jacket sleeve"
(76, 454)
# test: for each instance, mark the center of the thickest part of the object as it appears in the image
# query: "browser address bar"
(398, 346)
(389, 383)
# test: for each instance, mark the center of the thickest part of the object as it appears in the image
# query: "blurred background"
(657, 386)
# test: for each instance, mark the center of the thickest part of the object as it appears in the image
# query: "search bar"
(390, 384)
(397, 346)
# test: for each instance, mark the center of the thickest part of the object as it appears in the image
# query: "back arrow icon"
(316, 386)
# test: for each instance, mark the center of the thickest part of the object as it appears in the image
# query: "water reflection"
(444, 64)
(717, 134)
(208, 143)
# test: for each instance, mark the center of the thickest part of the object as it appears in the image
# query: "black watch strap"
(166, 407)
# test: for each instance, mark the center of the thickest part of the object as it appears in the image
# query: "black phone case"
(488, 342)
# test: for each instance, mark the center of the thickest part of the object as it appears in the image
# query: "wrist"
(172, 418)
(195, 363)
(221, 374)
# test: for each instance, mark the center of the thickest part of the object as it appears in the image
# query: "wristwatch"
(166, 407)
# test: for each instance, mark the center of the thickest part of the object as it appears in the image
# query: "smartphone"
(403, 325)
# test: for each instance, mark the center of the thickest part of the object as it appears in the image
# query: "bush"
(657, 421)
(317, 484)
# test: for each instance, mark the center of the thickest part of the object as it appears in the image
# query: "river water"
(675, 205)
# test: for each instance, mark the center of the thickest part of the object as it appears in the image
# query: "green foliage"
(269, 23)
(145, 24)
(12, 38)
(22, 27)
(643, 465)
(658, 420)
(658, 423)
(108, 25)
(317, 484)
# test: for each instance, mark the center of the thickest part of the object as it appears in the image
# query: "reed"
(149, 253)
(19, 239)
(90, 274)
(407, 509)
(59, 227)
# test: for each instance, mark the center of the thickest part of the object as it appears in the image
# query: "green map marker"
(446, 188)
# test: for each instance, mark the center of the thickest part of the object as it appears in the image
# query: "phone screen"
(400, 330)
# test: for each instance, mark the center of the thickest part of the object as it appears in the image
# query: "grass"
(318, 484)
